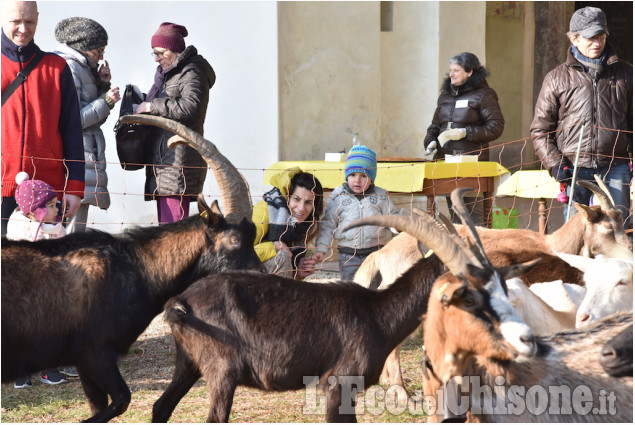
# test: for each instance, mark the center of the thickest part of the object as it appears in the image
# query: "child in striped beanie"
(357, 198)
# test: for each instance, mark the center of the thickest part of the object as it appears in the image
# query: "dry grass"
(148, 369)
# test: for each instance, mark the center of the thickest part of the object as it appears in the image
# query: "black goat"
(274, 334)
(85, 298)
(616, 356)
(270, 333)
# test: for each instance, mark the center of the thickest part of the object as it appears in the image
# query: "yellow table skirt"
(406, 177)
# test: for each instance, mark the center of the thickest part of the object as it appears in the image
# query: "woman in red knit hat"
(180, 92)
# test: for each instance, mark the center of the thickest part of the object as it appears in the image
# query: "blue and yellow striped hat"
(361, 159)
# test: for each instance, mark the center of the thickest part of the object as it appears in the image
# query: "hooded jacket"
(569, 97)
(473, 106)
(93, 111)
(41, 128)
(181, 93)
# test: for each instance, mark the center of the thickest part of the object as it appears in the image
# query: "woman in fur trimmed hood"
(287, 220)
(468, 116)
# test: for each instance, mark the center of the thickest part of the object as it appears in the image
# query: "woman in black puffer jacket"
(466, 103)
(180, 92)
(467, 117)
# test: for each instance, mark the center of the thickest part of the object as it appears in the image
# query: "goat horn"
(606, 202)
(449, 248)
(604, 189)
(233, 187)
(447, 223)
(459, 208)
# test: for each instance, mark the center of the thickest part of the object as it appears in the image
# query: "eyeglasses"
(155, 54)
(101, 51)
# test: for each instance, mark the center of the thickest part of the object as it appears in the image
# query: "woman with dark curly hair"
(286, 221)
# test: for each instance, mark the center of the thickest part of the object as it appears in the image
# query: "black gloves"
(562, 173)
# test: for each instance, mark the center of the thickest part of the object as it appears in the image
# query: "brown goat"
(84, 299)
(564, 382)
(236, 328)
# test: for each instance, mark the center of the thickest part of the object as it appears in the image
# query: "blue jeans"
(616, 177)
(349, 264)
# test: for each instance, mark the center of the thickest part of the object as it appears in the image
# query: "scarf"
(593, 67)
(282, 226)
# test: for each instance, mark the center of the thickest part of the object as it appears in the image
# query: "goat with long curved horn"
(233, 187)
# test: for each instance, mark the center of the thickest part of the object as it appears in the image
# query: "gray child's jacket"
(343, 208)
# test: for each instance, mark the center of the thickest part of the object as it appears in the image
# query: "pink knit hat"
(33, 195)
(170, 36)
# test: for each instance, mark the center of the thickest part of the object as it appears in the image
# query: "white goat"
(547, 307)
(609, 286)
(551, 307)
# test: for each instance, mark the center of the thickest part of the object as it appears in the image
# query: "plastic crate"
(504, 218)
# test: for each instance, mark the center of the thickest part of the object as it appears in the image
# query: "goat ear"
(450, 294)
(516, 270)
(203, 209)
(214, 215)
(589, 213)
(215, 208)
(211, 214)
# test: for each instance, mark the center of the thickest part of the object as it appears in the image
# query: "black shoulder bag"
(21, 77)
(131, 138)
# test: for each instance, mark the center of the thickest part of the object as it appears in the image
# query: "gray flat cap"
(588, 22)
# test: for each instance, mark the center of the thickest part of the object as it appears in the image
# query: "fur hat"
(361, 159)
(33, 195)
(170, 36)
(82, 34)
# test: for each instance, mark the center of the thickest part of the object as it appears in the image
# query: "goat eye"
(622, 283)
(468, 302)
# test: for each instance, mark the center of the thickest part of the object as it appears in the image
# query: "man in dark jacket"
(595, 89)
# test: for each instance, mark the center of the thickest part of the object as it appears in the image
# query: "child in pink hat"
(36, 218)
(37, 215)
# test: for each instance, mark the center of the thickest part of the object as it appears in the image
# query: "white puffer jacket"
(343, 208)
(94, 111)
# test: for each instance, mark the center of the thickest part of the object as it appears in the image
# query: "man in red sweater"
(41, 125)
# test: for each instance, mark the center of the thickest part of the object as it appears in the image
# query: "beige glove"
(452, 134)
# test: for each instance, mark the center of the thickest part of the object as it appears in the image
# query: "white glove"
(452, 134)
(430, 151)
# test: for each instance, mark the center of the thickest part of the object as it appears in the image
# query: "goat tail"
(176, 312)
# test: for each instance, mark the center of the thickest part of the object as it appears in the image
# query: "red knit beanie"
(170, 36)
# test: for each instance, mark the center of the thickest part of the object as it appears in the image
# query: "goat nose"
(583, 319)
(531, 347)
(608, 352)
(529, 339)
